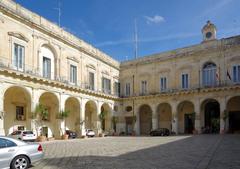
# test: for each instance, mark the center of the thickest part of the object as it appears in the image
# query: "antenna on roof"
(59, 13)
(135, 39)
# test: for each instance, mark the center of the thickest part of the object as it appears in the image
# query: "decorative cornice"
(18, 35)
(73, 59)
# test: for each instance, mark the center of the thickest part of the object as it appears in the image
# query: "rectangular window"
(106, 85)
(46, 67)
(73, 74)
(127, 89)
(117, 88)
(144, 87)
(163, 84)
(20, 113)
(19, 55)
(91, 81)
(185, 82)
(236, 73)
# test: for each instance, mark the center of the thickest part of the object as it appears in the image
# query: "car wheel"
(20, 162)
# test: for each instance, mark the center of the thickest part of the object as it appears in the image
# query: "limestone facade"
(189, 89)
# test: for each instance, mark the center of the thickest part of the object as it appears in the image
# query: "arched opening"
(145, 119)
(210, 109)
(209, 74)
(72, 122)
(17, 107)
(233, 109)
(91, 115)
(186, 117)
(106, 121)
(164, 113)
(50, 102)
(47, 62)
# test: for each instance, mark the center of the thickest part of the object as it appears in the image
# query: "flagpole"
(135, 39)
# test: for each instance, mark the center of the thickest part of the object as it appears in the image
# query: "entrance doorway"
(234, 121)
(129, 125)
(145, 119)
(212, 116)
(188, 123)
(233, 107)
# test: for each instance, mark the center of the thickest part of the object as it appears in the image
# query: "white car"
(16, 154)
(25, 135)
(90, 133)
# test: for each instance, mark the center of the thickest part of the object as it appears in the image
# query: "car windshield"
(27, 132)
(89, 130)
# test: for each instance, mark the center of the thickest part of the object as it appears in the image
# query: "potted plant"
(114, 122)
(193, 119)
(225, 117)
(134, 119)
(39, 115)
(63, 114)
(102, 117)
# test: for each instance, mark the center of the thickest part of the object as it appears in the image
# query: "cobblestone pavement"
(175, 152)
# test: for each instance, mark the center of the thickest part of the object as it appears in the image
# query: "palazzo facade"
(185, 90)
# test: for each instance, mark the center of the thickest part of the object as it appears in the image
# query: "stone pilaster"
(197, 111)
(174, 118)
(2, 132)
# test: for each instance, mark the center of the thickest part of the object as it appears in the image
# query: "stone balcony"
(32, 73)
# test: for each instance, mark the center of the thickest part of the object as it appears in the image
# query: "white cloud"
(155, 19)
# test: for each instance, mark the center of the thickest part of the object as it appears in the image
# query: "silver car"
(16, 154)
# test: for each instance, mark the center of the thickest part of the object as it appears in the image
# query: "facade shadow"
(190, 153)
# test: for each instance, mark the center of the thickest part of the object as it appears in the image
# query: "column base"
(2, 132)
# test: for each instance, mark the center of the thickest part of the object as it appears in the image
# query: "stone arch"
(210, 115)
(145, 119)
(47, 61)
(164, 114)
(91, 115)
(233, 114)
(72, 122)
(17, 108)
(106, 123)
(51, 103)
(209, 71)
(186, 117)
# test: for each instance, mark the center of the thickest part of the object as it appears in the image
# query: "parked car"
(71, 134)
(160, 132)
(24, 135)
(90, 133)
(17, 154)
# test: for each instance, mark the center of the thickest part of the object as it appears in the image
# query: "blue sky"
(162, 24)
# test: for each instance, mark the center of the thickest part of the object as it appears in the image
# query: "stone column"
(154, 117)
(82, 117)
(61, 122)
(34, 103)
(2, 132)
(136, 127)
(174, 118)
(98, 122)
(222, 110)
(197, 110)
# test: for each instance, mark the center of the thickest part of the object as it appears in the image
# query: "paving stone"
(174, 152)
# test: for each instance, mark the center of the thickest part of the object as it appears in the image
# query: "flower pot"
(65, 137)
(41, 138)
(101, 135)
(195, 131)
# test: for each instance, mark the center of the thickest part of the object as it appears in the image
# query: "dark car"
(160, 132)
(71, 134)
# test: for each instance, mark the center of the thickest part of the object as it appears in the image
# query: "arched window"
(47, 62)
(209, 74)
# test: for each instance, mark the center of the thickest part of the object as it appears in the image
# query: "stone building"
(192, 88)
(42, 64)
